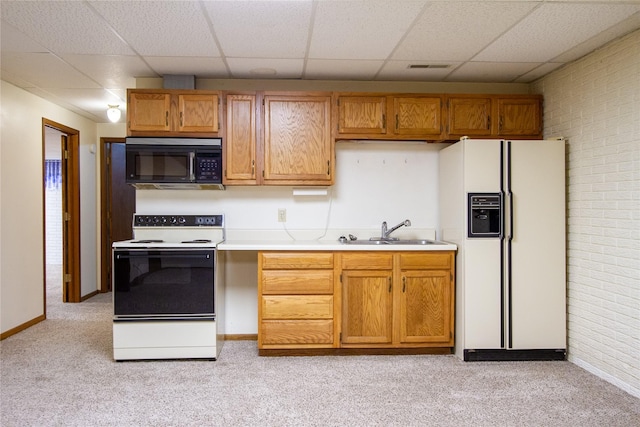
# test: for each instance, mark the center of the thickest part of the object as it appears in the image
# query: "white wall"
(375, 182)
(595, 103)
(21, 197)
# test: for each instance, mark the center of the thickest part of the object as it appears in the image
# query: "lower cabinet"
(356, 300)
(296, 300)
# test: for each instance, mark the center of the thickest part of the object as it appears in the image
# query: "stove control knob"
(173, 220)
(182, 220)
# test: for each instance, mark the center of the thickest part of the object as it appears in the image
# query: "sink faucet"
(385, 233)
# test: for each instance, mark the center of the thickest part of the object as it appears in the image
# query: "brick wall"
(595, 103)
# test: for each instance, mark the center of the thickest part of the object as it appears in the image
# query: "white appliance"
(503, 204)
(168, 289)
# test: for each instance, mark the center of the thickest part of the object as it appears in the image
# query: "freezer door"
(481, 290)
(537, 290)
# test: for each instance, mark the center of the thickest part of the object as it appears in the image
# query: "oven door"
(163, 284)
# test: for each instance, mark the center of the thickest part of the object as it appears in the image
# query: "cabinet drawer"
(296, 260)
(435, 260)
(297, 307)
(367, 261)
(296, 332)
(297, 282)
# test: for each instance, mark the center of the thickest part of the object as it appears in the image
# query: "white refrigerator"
(503, 204)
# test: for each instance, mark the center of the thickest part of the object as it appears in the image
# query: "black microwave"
(174, 163)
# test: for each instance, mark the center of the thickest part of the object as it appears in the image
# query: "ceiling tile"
(623, 27)
(538, 72)
(399, 70)
(360, 29)
(261, 29)
(91, 100)
(198, 66)
(490, 72)
(161, 28)
(456, 31)
(45, 70)
(64, 27)
(245, 68)
(554, 28)
(65, 103)
(341, 69)
(111, 71)
(13, 40)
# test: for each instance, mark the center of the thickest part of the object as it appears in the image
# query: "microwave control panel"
(208, 168)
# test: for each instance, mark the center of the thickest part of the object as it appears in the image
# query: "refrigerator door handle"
(509, 259)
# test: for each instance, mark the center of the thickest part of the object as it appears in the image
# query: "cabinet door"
(297, 141)
(241, 143)
(425, 307)
(418, 115)
(149, 112)
(469, 116)
(362, 114)
(367, 301)
(198, 113)
(519, 117)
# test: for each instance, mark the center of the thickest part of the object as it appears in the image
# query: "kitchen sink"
(391, 242)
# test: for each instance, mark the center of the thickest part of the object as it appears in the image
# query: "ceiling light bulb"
(113, 113)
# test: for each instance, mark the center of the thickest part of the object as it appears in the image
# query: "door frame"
(105, 211)
(71, 289)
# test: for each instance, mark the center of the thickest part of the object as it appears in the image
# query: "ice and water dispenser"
(484, 215)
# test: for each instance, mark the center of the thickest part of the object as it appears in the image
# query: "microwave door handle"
(192, 160)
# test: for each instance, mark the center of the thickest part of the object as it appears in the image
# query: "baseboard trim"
(89, 295)
(22, 327)
(353, 351)
(241, 337)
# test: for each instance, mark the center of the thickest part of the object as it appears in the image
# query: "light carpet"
(60, 372)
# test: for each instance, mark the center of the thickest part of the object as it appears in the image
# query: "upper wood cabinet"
(172, 112)
(298, 148)
(240, 144)
(519, 116)
(417, 115)
(278, 138)
(469, 116)
(380, 116)
(499, 116)
(362, 115)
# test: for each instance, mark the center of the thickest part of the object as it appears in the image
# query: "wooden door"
(367, 301)
(70, 168)
(148, 112)
(297, 141)
(425, 307)
(198, 113)
(362, 115)
(118, 203)
(418, 115)
(241, 143)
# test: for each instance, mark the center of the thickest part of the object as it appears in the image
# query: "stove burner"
(148, 241)
(197, 241)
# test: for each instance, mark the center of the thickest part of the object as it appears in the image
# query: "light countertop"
(325, 245)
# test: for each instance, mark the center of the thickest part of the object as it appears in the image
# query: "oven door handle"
(145, 254)
(207, 318)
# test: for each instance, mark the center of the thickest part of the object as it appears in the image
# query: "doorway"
(61, 211)
(117, 201)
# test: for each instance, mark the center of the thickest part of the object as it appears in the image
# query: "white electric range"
(168, 288)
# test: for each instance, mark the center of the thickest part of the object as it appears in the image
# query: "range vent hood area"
(178, 186)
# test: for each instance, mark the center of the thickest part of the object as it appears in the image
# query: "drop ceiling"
(83, 55)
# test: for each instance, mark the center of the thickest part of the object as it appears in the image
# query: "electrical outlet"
(282, 215)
